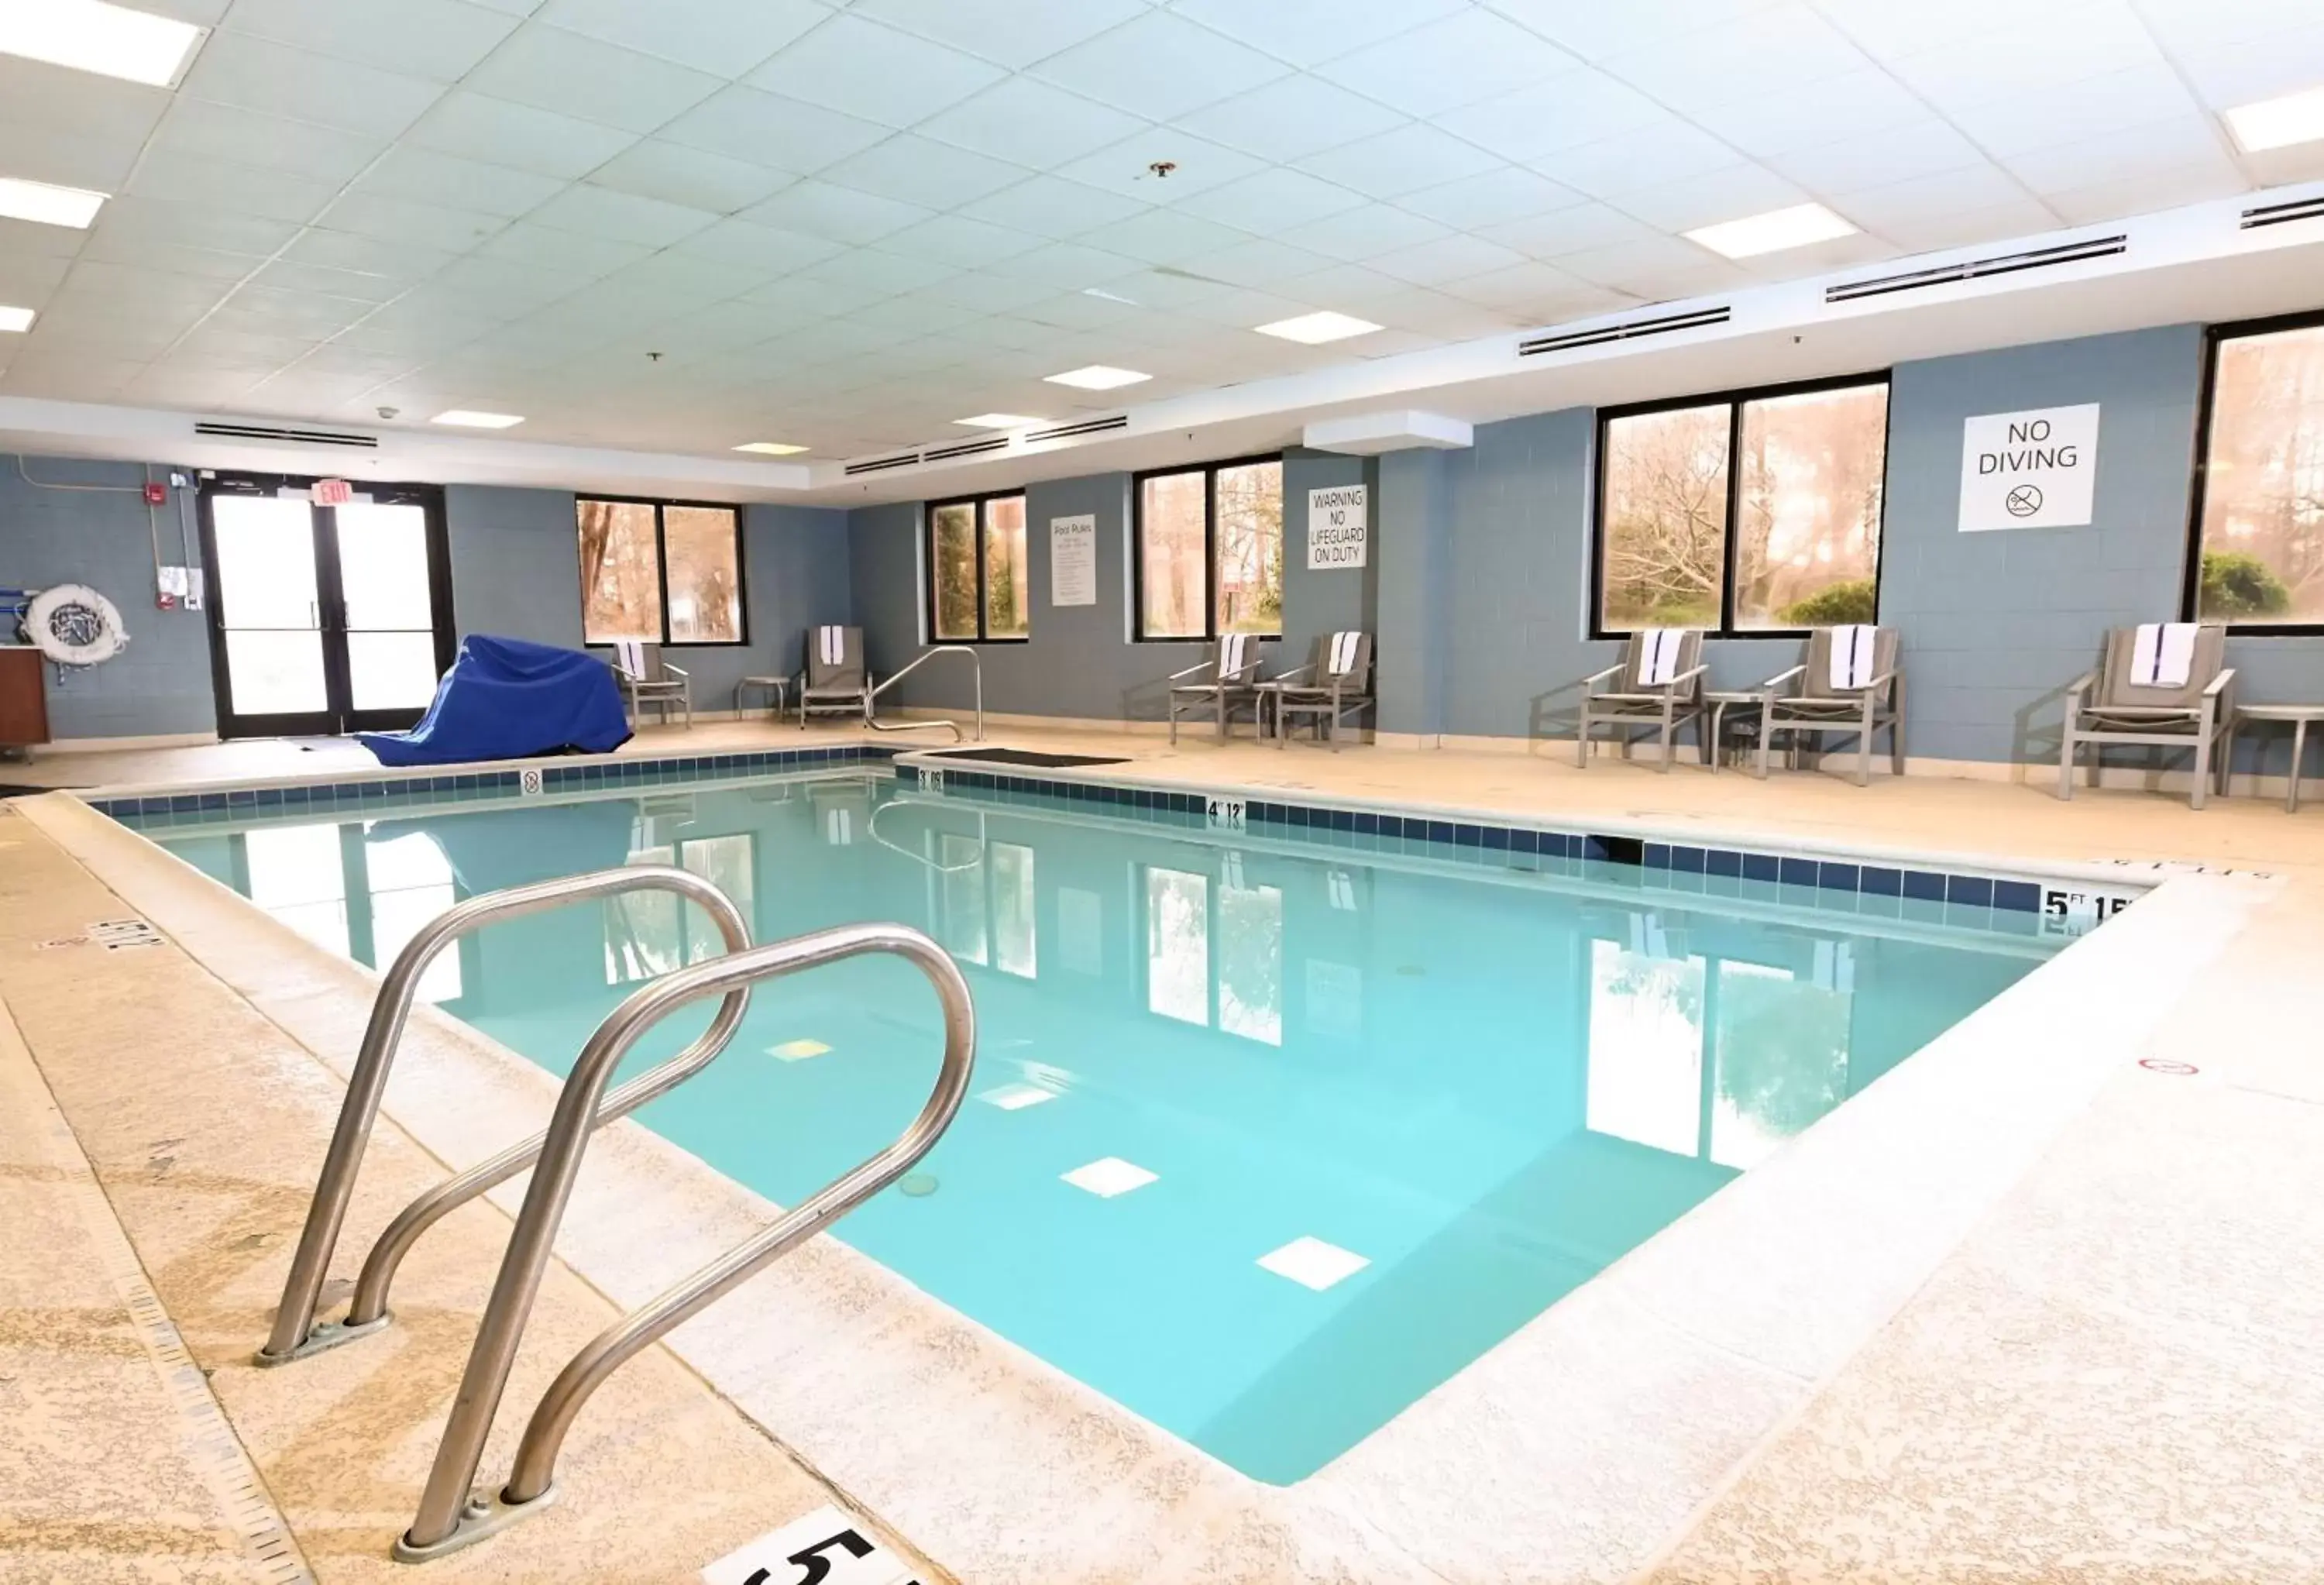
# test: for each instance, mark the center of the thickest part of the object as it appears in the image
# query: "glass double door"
(324, 619)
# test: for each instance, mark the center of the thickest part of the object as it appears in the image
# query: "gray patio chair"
(1815, 697)
(2113, 705)
(1231, 680)
(1674, 654)
(833, 680)
(1335, 683)
(646, 678)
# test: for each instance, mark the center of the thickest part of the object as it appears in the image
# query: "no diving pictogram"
(2024, 500)
(2159, 1064)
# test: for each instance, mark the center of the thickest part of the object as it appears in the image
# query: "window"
(663, 572)
(1210, 551)
(2259, 515)
(1754, 512)
(980, 587)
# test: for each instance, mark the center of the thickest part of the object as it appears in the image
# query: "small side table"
(2298, 715)
(1716, 703)
(780, 686)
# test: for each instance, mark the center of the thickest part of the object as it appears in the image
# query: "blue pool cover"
(507, 699)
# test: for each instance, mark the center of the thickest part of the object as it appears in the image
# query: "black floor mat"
(1020, 756)
(9, 790)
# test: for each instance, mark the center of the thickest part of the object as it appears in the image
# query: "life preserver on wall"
(74, 626)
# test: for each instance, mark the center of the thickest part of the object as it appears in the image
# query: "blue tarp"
(507, 699)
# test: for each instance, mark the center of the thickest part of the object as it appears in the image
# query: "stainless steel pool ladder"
(976, 663)
(449, 1516)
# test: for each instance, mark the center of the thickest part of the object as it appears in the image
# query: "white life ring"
(74, 626)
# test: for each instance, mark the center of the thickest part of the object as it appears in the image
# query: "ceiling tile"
(1291, 118)
(695, 178)
(1655, 269)
(981, 291)
(743, 124)
(1272, 199)
(1412, 157)
(698, 276)
(1863, 104)
(551, 69)
(843, 214)
(1542, 294)
(1920, 149)
(2149, 189)
(551, 249)
(200, 128)
(2265, 68)
(1459, 60)
(1596, 32)
(64, 160)
(425, 176)
(1031, 123)
(275, 312)
(1014, 33)
(289, 274)
(717, 36)
(600, 212)
(2089, 107)
(1493, 198)
(1579, 107)
(1894, 209)
(1448, 258)
(241, 189)
(434, 226)
(1364, 233)
(368, 255)
(1787, 45)
(764, 250)
(819, 299)
(1671, 151)
(2178, 144)
(1050, 205)
(479, 127)
(1307, 31)
(1711, 198)
(437, 40)
(1127, 168)
(887, 274)
(860, 67)
(960, 242)
(1068, 265)
(2029, 56)
(1159, 65)
(912, 170)
(144, 222)
(256, 74)
(1256, 262)
(504, 286)
(1163, 236)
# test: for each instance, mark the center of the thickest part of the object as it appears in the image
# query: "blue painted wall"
(516, 563)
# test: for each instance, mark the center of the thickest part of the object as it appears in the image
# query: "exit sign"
(331, 492)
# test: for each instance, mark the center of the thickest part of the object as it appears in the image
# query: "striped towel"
(1852, 650)
(1659, 657)
(2163, 654)
(1231, 651)
(631, 655)
(831, 643)
(1343, 652)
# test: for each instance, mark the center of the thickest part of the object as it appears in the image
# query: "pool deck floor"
(2112, 1378)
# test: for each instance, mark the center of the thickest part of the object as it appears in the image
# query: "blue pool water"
(1432, 1096)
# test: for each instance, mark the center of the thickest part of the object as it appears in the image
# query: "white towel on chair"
(632, 654)
(1659, 661)
(2163, 654)
(831, 643)
(1230, 656)
(1852, 650)
(1343, 652)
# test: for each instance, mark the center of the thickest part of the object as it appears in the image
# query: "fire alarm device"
(157, 495)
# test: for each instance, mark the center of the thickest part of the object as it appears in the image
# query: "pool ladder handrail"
(975, 661)
(296, 1335)
(449, 1517)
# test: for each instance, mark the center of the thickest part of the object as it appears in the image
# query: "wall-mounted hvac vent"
(966, 448)
(881, 465)
(2069, 252)
(1627, 330)
(287, 436)
(2284, 214)
(1074, 430)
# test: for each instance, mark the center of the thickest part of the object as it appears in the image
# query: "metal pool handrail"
(974, 660)
(295, 1335)
(449, 1518)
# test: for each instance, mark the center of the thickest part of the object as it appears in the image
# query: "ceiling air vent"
(881, 465)
(287, 436)
(1627, 330)
(2284, 214)
(2069, 252)
(1074, 430)
(967, 448)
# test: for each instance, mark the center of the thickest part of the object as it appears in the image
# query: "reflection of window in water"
(961, 859)
(1335, 999)
(1178, 944)
(1250, 962)
(296, 874)
(642, 927)
(730, 864)
(410, 883)
(1080, 930)
(1014, 946)
(1646, 1047)
(1782, 1059)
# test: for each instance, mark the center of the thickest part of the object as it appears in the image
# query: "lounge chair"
(1231, 679)
(2162, 684)
(1658, 684)
(646, 678)
(1847, 683)
(1335, 683)
(833, 679)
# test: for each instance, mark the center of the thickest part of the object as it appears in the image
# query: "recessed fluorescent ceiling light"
(770, 448)
(16, 318)
(1000, 421)
(2276, 123)
(1098, 377)
(1317, 328)
(50, 206)
(475, 420)
(88, 35)
(1772, 232)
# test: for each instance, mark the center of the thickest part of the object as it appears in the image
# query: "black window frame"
(2190, 576)
(1210, 472)
(929, 551)
(1735, 399)
(661, 571)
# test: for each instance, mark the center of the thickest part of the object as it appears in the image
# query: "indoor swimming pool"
(1270, 1134)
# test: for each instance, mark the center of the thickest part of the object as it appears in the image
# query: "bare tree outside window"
(1249, 518)
(2262, 535)
(980, 585)
(1171, 552)
(621, 579)
(952, 569)
(1664, 533)
(1807, 530)
(705, 575)
(1008, 592)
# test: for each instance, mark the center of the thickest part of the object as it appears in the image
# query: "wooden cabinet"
(23, 708)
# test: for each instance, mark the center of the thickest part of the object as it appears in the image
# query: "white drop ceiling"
(846, 226)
